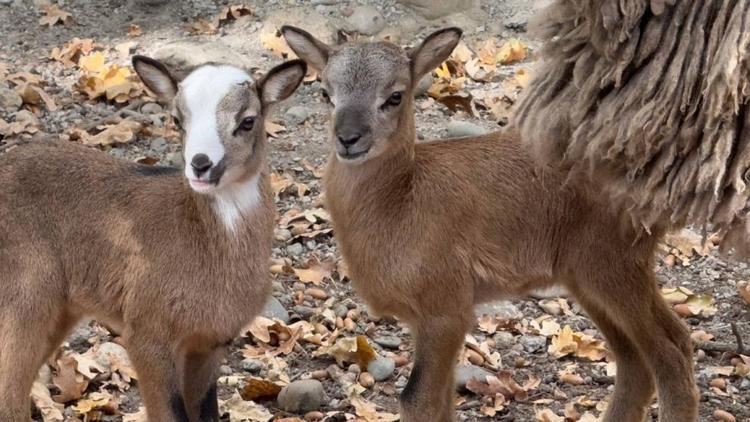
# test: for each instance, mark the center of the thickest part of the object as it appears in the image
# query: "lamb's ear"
(281, 81)
(307, 47)
(156, 77)
(435, 49)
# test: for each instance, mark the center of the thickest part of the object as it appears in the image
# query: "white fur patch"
(236, 200)
(203, 90)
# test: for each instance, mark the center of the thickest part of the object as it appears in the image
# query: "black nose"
(200, 164)
(349, 139)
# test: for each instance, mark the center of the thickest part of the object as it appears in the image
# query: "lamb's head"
(220, 111)
(370, 87)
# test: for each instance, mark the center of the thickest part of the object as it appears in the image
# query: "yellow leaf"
(93, 62)
(462, 53)
(487, 52)
(443, 72)
(512, 51)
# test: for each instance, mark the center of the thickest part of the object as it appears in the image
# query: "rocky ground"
(316, 339)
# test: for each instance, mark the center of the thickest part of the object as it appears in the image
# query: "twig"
(740, 344)
(112, 118)
(715, 346)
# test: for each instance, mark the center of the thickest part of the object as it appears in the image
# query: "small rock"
(117, 152)
(304, 312)
(106, 351)
(151, 108)
(532, 344)
(458, 128)
(275, 310)
(252, 365)
(283, 234)
(9, 99)
(316, 293)
(340, 310)
(159, 145)
(366, 380)
(502, 309)
(504, 339)
(466, 372)
(301, 396)
(424, 84)
(295, 249)
(724, 416)
(314, 416)
(324, 2)
(27, 116)
(381, 368)
(225, 370)
(366, 20)
(551, 307)
(389, 342)
(296, 115)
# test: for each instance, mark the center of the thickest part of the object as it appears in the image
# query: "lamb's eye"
(247, 123)
(395, 98)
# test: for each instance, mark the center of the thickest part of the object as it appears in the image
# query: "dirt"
(302, 148)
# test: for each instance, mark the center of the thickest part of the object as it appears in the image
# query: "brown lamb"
(430, 229)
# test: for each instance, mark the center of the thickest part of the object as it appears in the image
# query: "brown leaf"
(743, 287)
(457, 103)
(71, 52)
(54, 15)
(35, 95)
(68, 380)
(257, 390)
(233, 12)
(315, 272)
(274, 129)
(51, 411)
(121, 133)
(201, 27)
(134, 30)
(503, 384)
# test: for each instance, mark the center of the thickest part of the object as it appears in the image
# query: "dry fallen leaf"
(54, 15)
(503, 383)
(577, 344)
(243, 411)
(548, 415)
(201, 27)
(134, 30)
(234, 12)
(512, 51)
(70, 383)
(349, 350)
(51, 411)
(273, 129)
(110, 81)
(315, 272)
(368, 411)
(258, 389)
(70, 53)
(123, 132)
(743, 287)
(271, 39)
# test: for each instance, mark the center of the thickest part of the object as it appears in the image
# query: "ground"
(523, 336)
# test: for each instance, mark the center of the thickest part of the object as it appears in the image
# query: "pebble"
(340, 310)
(151, 108)
(317, 293)
(225, 370)
(459, 128)
(314, 416)
(295, 249)
(117, 152)
(551, 307)
(324, 2)
(366, 380)
(274, 309)
(389, 342)
(9, 99)
(724, 416)
(175, 158)
(502, 309)
(366, 20)
(159, 144)
(283, 234)
(26, 116)
(504, 339)
(381, 368)
(252, 365)
(466, 372)
(532, 344)
(304, 311)
(301, 396)
(296, 115)
(424, 84)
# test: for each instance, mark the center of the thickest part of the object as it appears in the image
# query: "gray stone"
(324, 2)
(9, 99)
(182, 56)
(176, 159)
(302, 396)
(225, 370)
(275, 310)
(295, 249)
(424, 84)
(252, 365)
(366, 20)
(6, 2)
(304, 311)
(159, 144)
(105, 350)
(501, 309)
(466, 372)
(26, 116)
(389, 342)
(283, 234)
(458, 128)
(152, 108)
(117, 152)
(340, 310)
(296, 115)
(504, 339)
(432, 9)
(381, 368)
(533, 344)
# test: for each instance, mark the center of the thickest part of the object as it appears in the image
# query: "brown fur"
(650, 99)
(430, 229)
(84, 234)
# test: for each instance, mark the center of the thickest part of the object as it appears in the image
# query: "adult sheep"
(650, 99)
